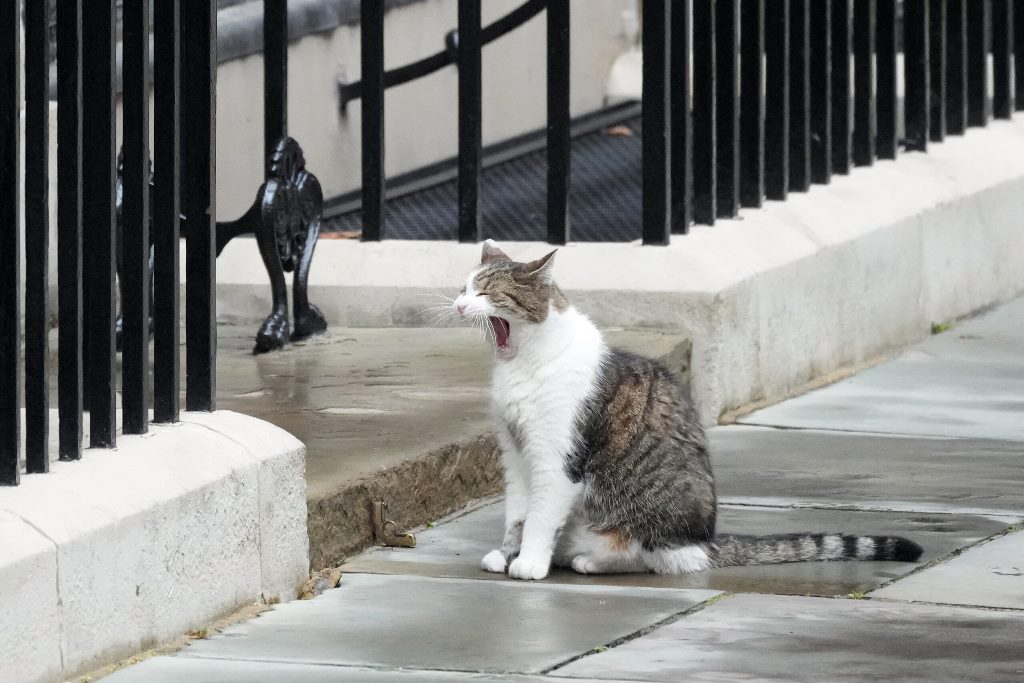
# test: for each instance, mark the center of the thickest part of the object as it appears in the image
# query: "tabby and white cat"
(606, 466)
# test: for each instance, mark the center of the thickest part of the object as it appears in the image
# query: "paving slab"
(446, 624)
(755, 637)
(453, 549)
(196, 670)
(968, 381)
(988, 575)
(786, 466)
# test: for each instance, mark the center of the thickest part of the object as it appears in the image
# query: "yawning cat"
(606, 465)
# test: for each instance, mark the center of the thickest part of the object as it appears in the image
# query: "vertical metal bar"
(887, 96)
(1002, 58)
(842, 110)
(470, 98)
(559, 141)
(777, 94)
(864, 116)
(752, 103)
(656, 135)
(916, 74)
(799, 96)
(98, 217)
(166, 208)
(821, 91)
(69, 228)
(135, 219)
(727, 48)
(937, 66)
(37, 236)
(979, 41)
(956, 66)
(704, 113)
(10, 252)
(1018, 54)
(680, 92)
(275, 73)
(371, 31)
(199, 89)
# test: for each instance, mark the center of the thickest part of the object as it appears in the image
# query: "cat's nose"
(461, 309)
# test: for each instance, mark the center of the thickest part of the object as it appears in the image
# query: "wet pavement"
(929, 446)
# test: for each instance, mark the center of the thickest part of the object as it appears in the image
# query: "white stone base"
(108, 556)
(783, 295)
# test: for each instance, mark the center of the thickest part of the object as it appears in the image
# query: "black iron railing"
(714, 139)
(120, 219)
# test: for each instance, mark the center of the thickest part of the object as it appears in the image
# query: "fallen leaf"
(342, 235)
(619, 131)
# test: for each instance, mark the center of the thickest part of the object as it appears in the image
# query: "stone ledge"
(108, 556)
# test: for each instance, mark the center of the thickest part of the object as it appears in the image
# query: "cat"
(606, 465)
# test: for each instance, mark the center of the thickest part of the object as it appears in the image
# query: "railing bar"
(98, 218)
(275, 73)
(916, 101)
(979, 42)
(777, 97)
(704, 113)
(470, 49)
(865, 118)
(821, 91)
(887, 107)
(199, 90)
(727, 37)
(956, 66)
(558, 134)
(37, 237)
(371, 30)
(1018, 54)
(680, 93)
(799, 97)
(135, 217)
(842, 110)
(1002, 58)
(166, 209)
(10, 252)
(752, 103)
(937, 64)
(655, 117)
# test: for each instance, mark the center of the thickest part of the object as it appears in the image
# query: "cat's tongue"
(501, 329)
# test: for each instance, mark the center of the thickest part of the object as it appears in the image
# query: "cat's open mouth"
(501, 331)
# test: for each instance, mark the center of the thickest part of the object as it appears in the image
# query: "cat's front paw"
(494, 561)
(528, 569)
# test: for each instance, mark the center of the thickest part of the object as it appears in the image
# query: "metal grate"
(604, 201)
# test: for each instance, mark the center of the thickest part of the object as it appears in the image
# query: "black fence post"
(887, 106)
(821, 91)
(799, 96)
(777, 95)
(956, 66)
(842, 110)
(656, 134)
(470, 47)
(727, 90)
(37, 237)
(10, 251)
(752, 103)
(704, 113)
(166, 208)
(681, 91)
(135, 217)
(69, 229)
(199, 90)
(979, 42)
(865, 122)
(1002, 58)
(1018, 54)
(937, 51)
(371, 31)
(917, 101)
(98, 217)
(559, 148)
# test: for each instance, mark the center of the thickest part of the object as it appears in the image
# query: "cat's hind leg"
(687, 559)
(589, 552)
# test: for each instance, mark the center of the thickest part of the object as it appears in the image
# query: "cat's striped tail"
(734, 551)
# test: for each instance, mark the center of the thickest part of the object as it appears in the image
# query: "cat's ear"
(542, 268)
(492, 253)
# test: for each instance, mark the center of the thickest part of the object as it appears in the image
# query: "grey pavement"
(929, 446)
